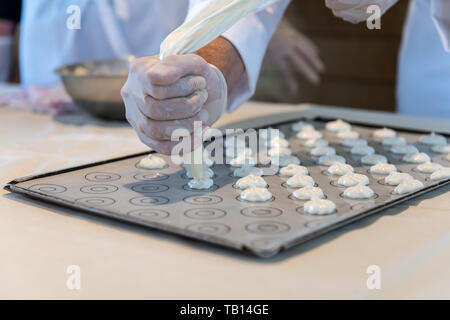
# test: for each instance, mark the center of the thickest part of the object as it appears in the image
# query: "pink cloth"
(52, 100)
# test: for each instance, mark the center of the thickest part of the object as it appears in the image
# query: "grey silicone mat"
(160, 199)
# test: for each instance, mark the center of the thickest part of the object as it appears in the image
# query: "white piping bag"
(209, 20)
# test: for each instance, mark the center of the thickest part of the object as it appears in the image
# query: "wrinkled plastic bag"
(208, 21)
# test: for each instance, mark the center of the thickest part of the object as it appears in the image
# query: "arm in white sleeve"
(251, 36)
(440, 13)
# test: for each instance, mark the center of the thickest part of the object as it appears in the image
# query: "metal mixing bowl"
(95, 86)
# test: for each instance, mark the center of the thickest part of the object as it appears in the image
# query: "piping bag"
(209, 20)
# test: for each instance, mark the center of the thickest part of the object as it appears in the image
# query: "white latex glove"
(292, 52)
(164, 95)
(5, 57)
(355, 11)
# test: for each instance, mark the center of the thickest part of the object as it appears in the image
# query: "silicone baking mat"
(160, 199)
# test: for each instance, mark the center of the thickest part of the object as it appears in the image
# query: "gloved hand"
(355, 11)
(5, 57)
(162, 96)
(292, 52)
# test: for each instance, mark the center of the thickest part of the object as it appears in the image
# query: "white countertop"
(410, 242)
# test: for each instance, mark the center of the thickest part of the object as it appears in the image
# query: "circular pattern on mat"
(48, 188)
(151, 176)
(203, 200)
(149, 188)
(205, 213)
(267, 227)
(209, 228)
(316, 224)
(261, 212)
(96, 201)
(149, 201)
(99, 189)
(362, 206)
(149, 214)
(102, 176)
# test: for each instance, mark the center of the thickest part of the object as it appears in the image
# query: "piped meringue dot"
(353, 179)
(441, 148)
(373, 159)
(279, 152)
(442, 173)
(152, 162)
(354, 142)
(284, 161)
(433, 139)
(243, 160)
(312, 143)
(201, 184)
(301, 125)
(428, 167)
(307, 193)
(247, 170)
(329, 160)
(408, 186)
(309, 134)
(322, 151)
(207, 173)
(346, 135)
(420, 157)
(396, 141)
(395, 178)
(403, 149)
(300, 181)
(384, 133)
(382, 168)
(292, 170)
(340, 169)
(317, 206)
(279, 143)
(362, 150)
(337, 125)
(251, 181)
(256, 195)
(358, 192)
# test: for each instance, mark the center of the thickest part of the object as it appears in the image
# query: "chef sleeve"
(440, 13)
(251, 36)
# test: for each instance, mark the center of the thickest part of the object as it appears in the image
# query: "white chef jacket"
(114, 28)
(423, 86)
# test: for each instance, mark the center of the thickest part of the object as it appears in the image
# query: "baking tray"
(118, 189)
